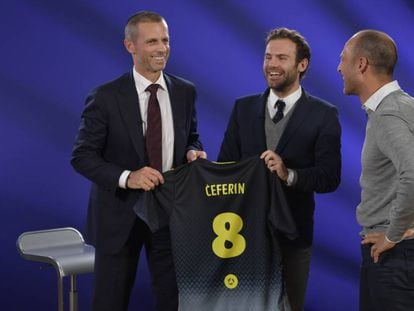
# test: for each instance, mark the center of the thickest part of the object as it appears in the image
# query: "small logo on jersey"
(231, 281)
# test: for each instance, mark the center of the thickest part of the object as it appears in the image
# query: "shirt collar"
(375, 99)
(289, 100)
(141, 83)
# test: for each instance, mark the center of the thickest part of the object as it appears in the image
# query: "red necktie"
(153, 139)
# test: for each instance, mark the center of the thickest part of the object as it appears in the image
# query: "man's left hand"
(275, 164)
(380, 244)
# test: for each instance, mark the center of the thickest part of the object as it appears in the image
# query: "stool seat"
(63, 248)
(74, 259)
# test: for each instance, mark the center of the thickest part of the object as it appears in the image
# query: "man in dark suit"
(298, 135)
(114, 149)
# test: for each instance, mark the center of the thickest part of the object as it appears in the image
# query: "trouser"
(389, 284)
(296, 265)
(115, 273)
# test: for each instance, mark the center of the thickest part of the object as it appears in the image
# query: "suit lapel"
(178, 111)
(129, 107)
(299, 115)
(258, 125)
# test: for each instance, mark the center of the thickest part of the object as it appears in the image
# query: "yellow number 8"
(228, 243)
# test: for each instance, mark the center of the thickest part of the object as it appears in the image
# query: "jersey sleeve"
(154, 207)
(280, 215)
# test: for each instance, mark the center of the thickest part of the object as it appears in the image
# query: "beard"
(283, 84)
(350, 88)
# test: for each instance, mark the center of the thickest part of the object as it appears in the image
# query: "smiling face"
(280, 67)
(349, 69)
(150, 49)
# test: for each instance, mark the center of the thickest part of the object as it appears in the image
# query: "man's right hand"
(145, 178)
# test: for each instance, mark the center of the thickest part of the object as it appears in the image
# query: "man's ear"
(129, 45)
(363, 64)
(303, 64)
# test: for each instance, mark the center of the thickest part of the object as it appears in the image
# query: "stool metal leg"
(73, 294)
(60, 292)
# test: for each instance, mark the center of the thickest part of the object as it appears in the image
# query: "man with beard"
(298, 136)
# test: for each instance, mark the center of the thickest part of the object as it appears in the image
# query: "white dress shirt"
(375, 99)
(289, 101)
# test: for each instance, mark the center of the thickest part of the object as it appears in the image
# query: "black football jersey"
(223, 218)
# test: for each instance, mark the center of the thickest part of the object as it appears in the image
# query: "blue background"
(53, 52)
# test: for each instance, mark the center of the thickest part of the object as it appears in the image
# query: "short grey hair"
(140, 17)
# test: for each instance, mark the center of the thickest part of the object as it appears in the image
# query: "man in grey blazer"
(299, 139)
(111, 150)
(386, 210)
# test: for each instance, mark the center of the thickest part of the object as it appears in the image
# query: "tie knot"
(152, 88)
(280, 105)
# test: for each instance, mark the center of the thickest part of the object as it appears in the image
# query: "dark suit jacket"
(110, 140)
(310, 144)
